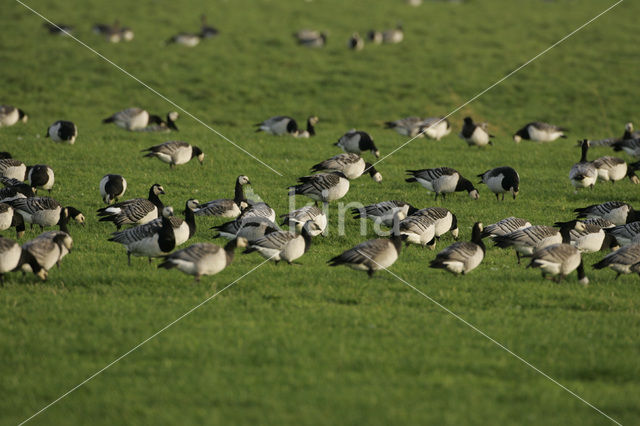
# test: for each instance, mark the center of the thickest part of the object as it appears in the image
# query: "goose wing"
(168, 148)
(215, 207)
(138, 233)
(275, 240)
(363, 253)
(195, 253)
(35, 204)
(460, 252)
(337, 162)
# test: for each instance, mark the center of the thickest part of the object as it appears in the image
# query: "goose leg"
(518, 256)
(129, 257)
(370, 272)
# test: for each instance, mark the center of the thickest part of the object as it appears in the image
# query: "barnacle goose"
(629, 133)
(475, 134)
(183, 230)
(12, 257)
(501, 180)
(114, 33)
(6, 216)
(310, 131)
(393, 36)
(47, 252)
(505, 226)
(310, 38)
(10, 115)
(539, 132)
(374, 36)
(624, 234)
(148, 240)
(284, 245)
(435, 127)
(613, 169)
(41, 176)
(527, 240)
(614, 211)
(225, 207)
(357, 142)
(258, 209)
(62, 131)
(137, 211)
(44, 211)
(583, 174)
(58, 29)
(304, 214)
(17, 190)
(464, 256)
(174, 153)
(624, 260)
(157, 124)
(444, 220)
(442, 181)
(383, 212)
(207, 31)
(355, 42)
(136, 119)
(13, 169)
(409, 126)
(185, 39)
(202, 258)
(112, 187)
(325, 187)
(586, 237)
(250, 228)
(419, 230)
(558, 261)
(350, 164)
(282, 125)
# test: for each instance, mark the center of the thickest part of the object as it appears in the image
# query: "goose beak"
(515, 193)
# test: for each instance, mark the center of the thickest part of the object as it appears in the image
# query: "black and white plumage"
(305, 214)
(384, 211)
(62, 131)
(114, 33)
(183, 229)
(112, 187)
(462, 257)
(586, 237)
(539, 132)
(357, 142)
(419, 230)
(157, 124)
(371, 255)
(6, 216)
(583, 174)
(625, 260)
(393, 36)
(10, 115)
(13, 169)
(137, 211)
(250, 228)
(443, 219)
(283, 245)
(207, 31)
(174, 153)
(442, 181)
(350, 164)
(614, 211)
(598, 221)
(258, 209)
(311, 38)
(137, 119)
(226, 207)
(41, 176)
(355, 42)
(310, 130)
(12, 257)
(17, 190)
(505, 226)
(409, 126)
(475, 134)
(374, 36)
(47, 251)
(148, 240)
(282, 125)
(612, 169)
(630, 146)
(43, 211)
(526, 241)
(435, 127)
(625, 234)
(501, 180)
(325, 187)
(559, 260)
(629, 133)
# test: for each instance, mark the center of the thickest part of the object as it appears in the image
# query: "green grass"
(311, 344)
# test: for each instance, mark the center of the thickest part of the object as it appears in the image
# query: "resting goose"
(624, 260)
(559, 260)
(183, 229)
(539, 132)
(357, 142)
(462, 257)
(202, 258)
(435, 127)
(250, 228)
(443, 219)
(409, 126)
(305, 214)
(630, 146)
(325, 187)
(310, 131)
(47, 252)
(12, 257)
(355, 42)
(475, 134)
(6, 216)
(278, 125)
(393, 36)
(442, 181)
(62, 131)
(41, 176)
(283, 245)
(207, 31)
(419, 230)
(174, 153)
(614, 211)
(136, 119)
(13, 169)
(383, 212)
(583, 174)
(225, 207)
(586, 237)
(58, 29)
(629, 133)
(112, 187)
(185, 39)
(501, 180)
(625, 234)
(10, 115)
(137, 211)
(114, 33)
(311, 38)
(505, 226)
(350, 164)
(527, 240)
(613, 169)
(44, 211)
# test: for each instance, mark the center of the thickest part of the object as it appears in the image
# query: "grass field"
(311, 344)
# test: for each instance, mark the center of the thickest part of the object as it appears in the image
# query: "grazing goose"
(614, 211)
(13, 169)
(630, 146)
(442, 181)
(374, 36)
(355, 42)
(10, 115)
(475, 134)
(583, 174)
(357, 142)
(419, 230)
(305, 214)
(112, 187)
(58, 29)
(225, 207)
(614, 169)
(539, 132)
(12, 257)
(41, 176)
(6, 216)
(501, 180)
(157, 124)
(559, 260)
(435, 127)
(310, 131)
(148, 240)
(62, 131)
(443, 219)
(623, 261)
(47, 252)
(505, 226)
(185, 39)
(409, 126)
(174, 153)
(350, 164)
(282, 125)
(586, 237)
(202, 258)
(18, 190)
(250, 228)
(624, 234)
(530, 239)
(260, 209)
(462, 257)
(325, 187)
(44, 211)
(207, 31)
(383, 212)
(393, 36)
(283, 245)
(310, 38)
(137, 211)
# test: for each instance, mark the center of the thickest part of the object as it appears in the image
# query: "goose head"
(157, 189)
(243, 180)
(197, 152)
(76, 215)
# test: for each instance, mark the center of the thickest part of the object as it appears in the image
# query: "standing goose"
(47, 252)
(623, 261)
(283, 245)
(62, 131)
(527, 240)
(357, 142)
(112, 187)
(175, 153)
(539, 132)
(355, 42)
(226, 207)
(350, 164)
(624, 234)
(183, 229)
(41, 176)
(443, 219)
(137, 211)
(12, 169)
(44, 211)
(12, 257)
(148, 240)
(384, 211)
(310, 131)
(305, 214)
(202, 258)
(501, 180)
(6, 216)
(586, 237)
(613, 169)
(10, 115)
(475, 134)
(435, 127)
(409, 126)
(614, 211)
(250, 228)
(442, 181)
(325, 187)
(559, 260)
(462, 257)
(419, 230)
(505, 226)
(583, 174)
